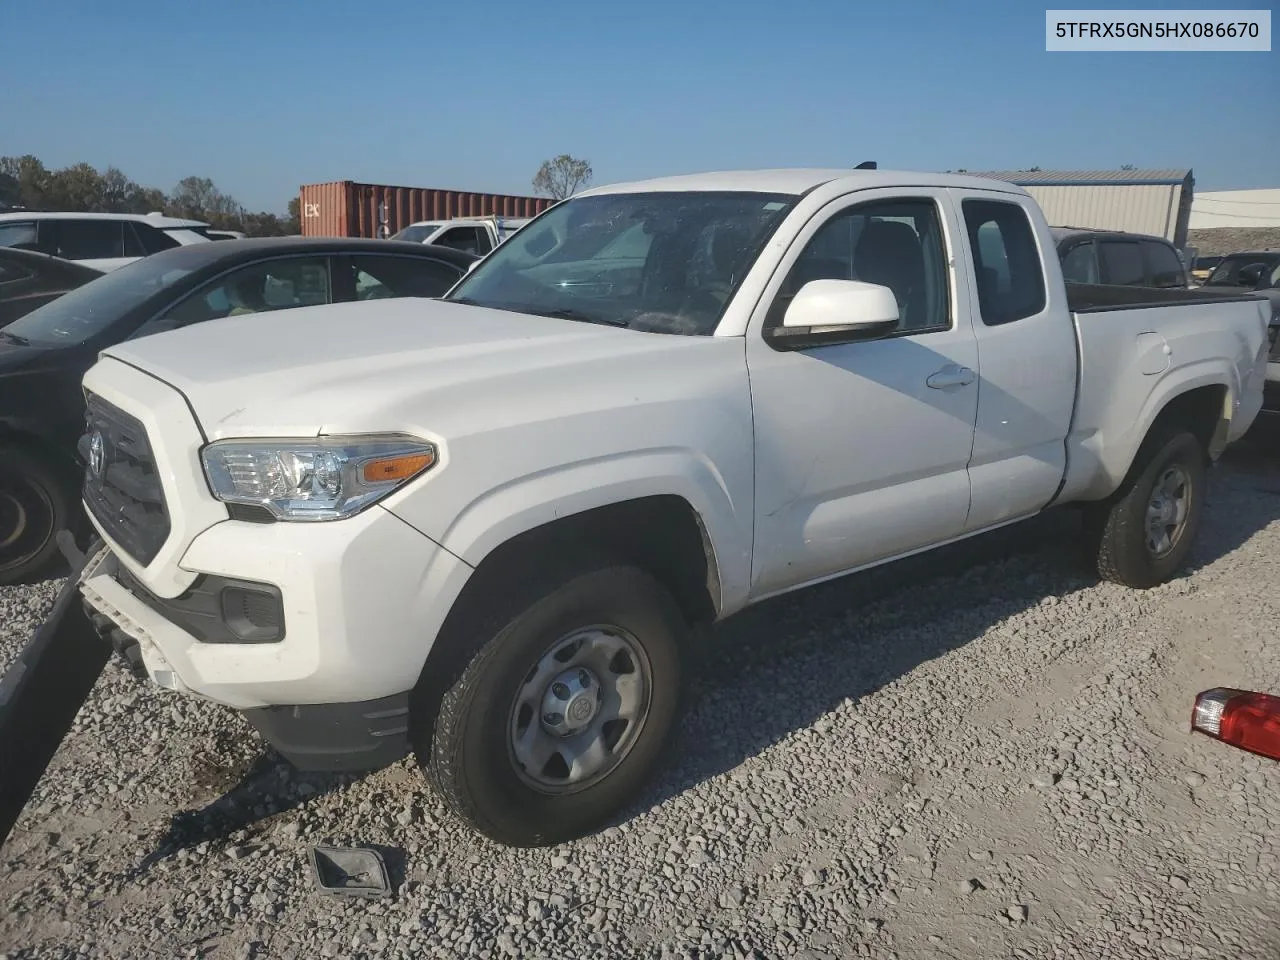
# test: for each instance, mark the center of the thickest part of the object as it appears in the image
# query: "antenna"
(866, 165)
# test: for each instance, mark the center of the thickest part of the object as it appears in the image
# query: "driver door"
(862, 448)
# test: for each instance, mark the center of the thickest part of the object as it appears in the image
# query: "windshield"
(88, 310)
(1227, 273)
(416, 233)
(665, 261)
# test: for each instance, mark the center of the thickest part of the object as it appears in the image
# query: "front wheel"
(1141, 536)
(555, 723)
(34, 504)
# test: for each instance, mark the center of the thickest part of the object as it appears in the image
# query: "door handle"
(951, 376)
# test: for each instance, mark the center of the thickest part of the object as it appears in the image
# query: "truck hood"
(389, 365)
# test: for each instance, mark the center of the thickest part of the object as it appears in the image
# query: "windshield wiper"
(568, 313)
(14, 338)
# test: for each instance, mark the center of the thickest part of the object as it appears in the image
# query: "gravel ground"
(977, 754)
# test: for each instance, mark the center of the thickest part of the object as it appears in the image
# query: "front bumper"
(362, 601)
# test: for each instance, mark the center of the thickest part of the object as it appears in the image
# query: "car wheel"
(34, 504)
(1141, 536)
(556, 720)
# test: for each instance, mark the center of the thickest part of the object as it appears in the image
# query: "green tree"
(562, 176)
(293, 223)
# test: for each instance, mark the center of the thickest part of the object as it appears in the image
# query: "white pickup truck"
(485, 528)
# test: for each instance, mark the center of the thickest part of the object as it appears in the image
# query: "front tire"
(35, 503)
(1140, 537)
(556, 721)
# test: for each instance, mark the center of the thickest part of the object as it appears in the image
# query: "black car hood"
(27, 358)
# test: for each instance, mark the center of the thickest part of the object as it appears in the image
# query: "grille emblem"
(97, 453)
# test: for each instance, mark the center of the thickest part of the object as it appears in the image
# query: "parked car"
(104, 241)
(1257, 272)
(476, 235)
(488, 526)
(29, 280)
(44, 354)
(1113, 257)
(1201, 267)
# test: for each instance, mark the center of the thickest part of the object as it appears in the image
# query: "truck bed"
(1099, 297)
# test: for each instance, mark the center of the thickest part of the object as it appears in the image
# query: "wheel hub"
(570, 702)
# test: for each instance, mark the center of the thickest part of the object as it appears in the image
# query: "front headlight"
(328, 478)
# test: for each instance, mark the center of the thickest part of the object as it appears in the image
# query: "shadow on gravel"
(269, 786)
(778, 667)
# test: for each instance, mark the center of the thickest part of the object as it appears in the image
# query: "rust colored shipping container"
(348, 209)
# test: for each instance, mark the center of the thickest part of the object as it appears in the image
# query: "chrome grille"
(121, 484)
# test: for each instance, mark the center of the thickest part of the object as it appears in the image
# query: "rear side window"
(1122, 263)
(90, 239)
(1080, 264)
(464, 238)
(380, 277)
(1163, 265)
(18, 235)
(146, 239)
(1006, 261)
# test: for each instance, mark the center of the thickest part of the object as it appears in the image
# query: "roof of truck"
(798, 181)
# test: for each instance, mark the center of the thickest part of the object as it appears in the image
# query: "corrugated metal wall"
(348, 209)
(1145, 208)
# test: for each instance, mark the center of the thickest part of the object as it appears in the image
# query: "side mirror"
(836, 311)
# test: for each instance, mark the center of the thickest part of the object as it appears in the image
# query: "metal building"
(1139, 201)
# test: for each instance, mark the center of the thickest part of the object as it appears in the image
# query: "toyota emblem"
(97, 454)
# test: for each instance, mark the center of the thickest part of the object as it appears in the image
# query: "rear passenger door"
(1026, 359)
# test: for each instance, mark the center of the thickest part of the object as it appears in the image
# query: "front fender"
(494, 516)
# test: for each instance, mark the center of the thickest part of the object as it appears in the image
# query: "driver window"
(894, 243)
(257, 288)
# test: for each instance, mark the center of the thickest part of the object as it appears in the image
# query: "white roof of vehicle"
(155, 219)
(797, 181)
(441, 223)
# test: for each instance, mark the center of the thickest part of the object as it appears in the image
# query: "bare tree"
(562, 177)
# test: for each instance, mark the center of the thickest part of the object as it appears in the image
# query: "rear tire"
(579, 679)
(35, 503)
(1141, 535)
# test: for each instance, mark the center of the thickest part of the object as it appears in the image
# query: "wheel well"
(1201, 411)
(662, 535)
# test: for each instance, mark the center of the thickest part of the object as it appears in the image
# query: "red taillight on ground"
(1250, 721)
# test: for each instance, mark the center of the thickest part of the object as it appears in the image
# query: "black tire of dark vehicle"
(1117, 528)
(34, 504)
(466, 752)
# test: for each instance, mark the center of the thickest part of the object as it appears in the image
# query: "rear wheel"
(34, 504)
(1141, 536)
(556, 720)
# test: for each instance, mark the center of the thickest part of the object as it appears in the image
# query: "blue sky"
(263, 96)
